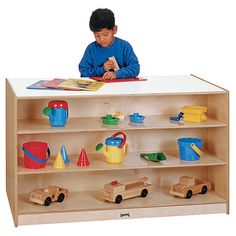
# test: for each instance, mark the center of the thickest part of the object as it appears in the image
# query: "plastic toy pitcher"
(116, 148)
(57, 110)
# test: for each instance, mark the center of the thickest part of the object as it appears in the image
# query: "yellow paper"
(79, 84)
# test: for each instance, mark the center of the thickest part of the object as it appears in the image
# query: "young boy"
(96, 62)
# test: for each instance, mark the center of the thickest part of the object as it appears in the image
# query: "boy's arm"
(132, 67)
(86, 66)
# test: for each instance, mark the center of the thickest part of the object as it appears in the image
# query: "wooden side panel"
(218, 106)
(218, 143)
(11, 150)
(219, 139)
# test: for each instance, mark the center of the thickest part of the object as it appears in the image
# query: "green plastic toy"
(156, 157)
(109, 120)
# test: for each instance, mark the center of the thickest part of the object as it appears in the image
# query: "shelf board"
(133, 161)
(88, 124)
(92, 201)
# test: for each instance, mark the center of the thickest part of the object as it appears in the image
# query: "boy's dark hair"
(100, 19)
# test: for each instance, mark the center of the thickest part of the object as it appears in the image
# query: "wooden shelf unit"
(157, 99)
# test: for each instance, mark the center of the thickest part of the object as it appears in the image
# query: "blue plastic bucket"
(186, 151)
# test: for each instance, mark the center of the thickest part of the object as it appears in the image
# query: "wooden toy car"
(188, 186)
(48, 195)
(116, 192)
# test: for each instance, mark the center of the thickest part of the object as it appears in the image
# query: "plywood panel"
(121, 214)
(11, 150)
(218, 106)
(219, 143)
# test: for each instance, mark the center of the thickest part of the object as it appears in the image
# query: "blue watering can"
(57, 110)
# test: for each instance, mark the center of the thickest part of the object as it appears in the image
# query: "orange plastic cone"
(83, 159)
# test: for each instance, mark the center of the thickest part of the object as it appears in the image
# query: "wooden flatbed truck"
(116, 192)
(188, 186)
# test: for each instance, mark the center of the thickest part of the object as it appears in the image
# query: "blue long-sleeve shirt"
(95, 55)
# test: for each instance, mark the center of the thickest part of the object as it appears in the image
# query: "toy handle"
(35, 158)
(124, 139)
(126, 149)
(180, 115)
(196, 149)
(47, 111)
(204, 117)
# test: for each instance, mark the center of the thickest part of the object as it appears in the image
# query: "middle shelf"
(133, 161)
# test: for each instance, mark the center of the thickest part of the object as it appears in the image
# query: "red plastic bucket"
(35, 154)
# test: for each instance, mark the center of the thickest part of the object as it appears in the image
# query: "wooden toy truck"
(116, 192)
(188, 186)
(48, 195)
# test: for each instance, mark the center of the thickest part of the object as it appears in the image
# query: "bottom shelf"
(81, 206)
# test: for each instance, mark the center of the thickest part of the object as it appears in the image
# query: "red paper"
(118, 80)
(53, 83)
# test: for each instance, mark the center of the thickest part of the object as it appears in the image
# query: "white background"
(46, 39)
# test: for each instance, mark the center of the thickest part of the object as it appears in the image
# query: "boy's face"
(105, 36)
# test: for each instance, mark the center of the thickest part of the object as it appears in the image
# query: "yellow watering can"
(116, 148)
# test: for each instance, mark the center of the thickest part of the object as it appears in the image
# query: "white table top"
(179, 84)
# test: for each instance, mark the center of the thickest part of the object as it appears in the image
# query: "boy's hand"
(109, 75)
(109, 65)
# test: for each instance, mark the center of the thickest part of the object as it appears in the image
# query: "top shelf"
(155, 85)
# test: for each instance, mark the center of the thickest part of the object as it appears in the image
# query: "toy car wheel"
(204, 189)
(189, 194)
(47, 201)
(118, 199)
(61, 197)
(144, 193)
